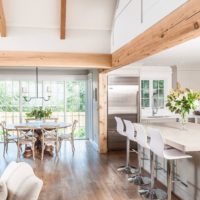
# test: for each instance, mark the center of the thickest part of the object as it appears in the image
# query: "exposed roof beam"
(63, 19)
(180, 26)
(51, 59)
(2, 21)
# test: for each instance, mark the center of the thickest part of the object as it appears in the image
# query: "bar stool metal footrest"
(153, 194)
(140, 180)
(128, 169)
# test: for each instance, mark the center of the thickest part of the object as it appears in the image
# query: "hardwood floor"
(84, 176)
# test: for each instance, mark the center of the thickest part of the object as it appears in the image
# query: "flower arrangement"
(40, 113)
(182, 101)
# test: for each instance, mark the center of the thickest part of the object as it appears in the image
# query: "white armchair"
(21, 182)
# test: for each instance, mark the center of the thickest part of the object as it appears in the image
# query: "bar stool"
(127, 168)
(142, 141)
(157, 147)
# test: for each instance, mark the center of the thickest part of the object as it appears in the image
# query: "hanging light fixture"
(25, 92)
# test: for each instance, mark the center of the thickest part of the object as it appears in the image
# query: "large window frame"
(46, 78)
(147, 93)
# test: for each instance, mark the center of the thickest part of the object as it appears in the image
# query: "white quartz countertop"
(187, 139)
(122, 110)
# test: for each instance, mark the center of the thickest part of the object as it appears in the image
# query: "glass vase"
(183, 120)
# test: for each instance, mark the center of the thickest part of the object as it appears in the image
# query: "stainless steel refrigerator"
(123, 101)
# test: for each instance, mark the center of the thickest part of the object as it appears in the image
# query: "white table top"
(187, 139)
(38, 125)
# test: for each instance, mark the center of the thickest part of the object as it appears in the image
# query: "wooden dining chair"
(49, 137)
(68, 137)
(28, 120)
(7, 137)
(51, 120)
(25, 136)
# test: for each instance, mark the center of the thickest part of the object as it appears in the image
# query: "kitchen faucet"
(154, 104)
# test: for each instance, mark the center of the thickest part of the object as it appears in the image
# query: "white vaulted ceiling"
(81, 14)
(33, 25)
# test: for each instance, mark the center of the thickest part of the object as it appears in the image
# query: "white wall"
(131, 19)
(189, 76)
(38, 39)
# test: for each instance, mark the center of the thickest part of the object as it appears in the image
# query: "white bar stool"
(157, 147)
(127, 168)
(142, 142)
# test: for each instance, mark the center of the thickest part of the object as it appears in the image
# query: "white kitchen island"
(186, 170)
(185, 139)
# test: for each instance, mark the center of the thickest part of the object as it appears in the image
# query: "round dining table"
(38, 125)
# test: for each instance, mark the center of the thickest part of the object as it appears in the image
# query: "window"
(145, 96)
(152, 93)
(68, 101)
(158, 92)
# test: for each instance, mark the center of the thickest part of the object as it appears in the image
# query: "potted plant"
(182, 101)
(40, 113)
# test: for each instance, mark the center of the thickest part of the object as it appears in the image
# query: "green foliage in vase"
(182, 101)
(40, 113)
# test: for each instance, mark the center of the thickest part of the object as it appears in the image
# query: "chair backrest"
(120, 126)
(28, 120)
(74, 126)
(21, 182)
(130, 130)
(51, 120)
(142, 137)
(49, 131)
(156, 142)
(3, 126)
(26, 131)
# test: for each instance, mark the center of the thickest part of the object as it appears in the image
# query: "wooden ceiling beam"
(2, 21)
(51, 59)
(180, 26)
(63, 19)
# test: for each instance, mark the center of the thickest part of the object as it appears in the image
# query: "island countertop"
(187, 139)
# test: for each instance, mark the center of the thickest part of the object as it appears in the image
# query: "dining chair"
(51, 120)
(25, 136)
(68, 136)
(28, 120)
(49, 137)
(7, 137)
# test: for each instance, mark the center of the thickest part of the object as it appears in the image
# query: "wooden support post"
(103, 87)
(2, 21)
(63, 19)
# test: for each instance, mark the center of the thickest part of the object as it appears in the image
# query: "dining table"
(38, 125)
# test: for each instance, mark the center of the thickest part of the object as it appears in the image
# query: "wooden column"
(103, 87)
(63, 19)
(2, 21)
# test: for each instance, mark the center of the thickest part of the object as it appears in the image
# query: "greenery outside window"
(67, 102)
(145, 94)
(158, 92)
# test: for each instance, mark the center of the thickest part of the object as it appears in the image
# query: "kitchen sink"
(159, 116)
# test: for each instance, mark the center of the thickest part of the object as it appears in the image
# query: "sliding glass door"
(68, 101)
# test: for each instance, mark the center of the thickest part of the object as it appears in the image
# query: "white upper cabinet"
(133, 17)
